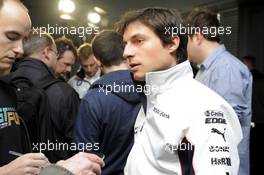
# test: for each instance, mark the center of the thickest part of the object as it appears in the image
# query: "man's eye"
(139, 41)
(13, 36)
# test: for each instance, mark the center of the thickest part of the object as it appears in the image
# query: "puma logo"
(214, 130)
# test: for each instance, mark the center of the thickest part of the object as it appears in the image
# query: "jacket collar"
(162, 80)
(37, 71)
(95, 77)
(212, 57)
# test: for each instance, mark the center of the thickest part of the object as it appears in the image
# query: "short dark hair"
(63, 44)
(108, 47)
(203, 18)
(158, 19)
(84, 51)
(36, 41)
(250, 58)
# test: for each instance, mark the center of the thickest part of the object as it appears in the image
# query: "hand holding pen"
(30, 163)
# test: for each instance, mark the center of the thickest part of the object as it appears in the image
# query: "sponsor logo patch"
(161, 113)
(221, 161)
(214, 117)
(214, 130)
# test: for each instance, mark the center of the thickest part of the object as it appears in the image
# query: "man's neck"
(122, 66)
(208, 48)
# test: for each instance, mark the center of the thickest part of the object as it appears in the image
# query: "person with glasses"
(38, 65)
(14, 27)
(66, 58)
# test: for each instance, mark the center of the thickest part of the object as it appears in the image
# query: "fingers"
(32, 170)
(35, 156)
(94, 158)
(37, 163)
(92, 165)
(36, 159)
(96, 168)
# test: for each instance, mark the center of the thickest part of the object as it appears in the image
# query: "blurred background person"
(257, 129)
(66, 58)
(250, 62)
(108, 118)
(222, 72)
(88, 73)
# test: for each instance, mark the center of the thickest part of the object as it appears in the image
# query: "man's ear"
(198, 38)
(98, 62)
(45, 53)
(173, 46)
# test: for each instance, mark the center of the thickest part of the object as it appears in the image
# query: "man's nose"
(68, 69)
(128, 51)
(18, 48)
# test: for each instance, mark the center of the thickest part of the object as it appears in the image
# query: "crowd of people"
(134, 106)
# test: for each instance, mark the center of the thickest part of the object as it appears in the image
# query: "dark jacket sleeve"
(71, 111)
(88, 122)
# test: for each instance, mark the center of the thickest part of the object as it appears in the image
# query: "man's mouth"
(134, 66)
(10, 60)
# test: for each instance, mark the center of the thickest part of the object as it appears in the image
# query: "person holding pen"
(14, 27)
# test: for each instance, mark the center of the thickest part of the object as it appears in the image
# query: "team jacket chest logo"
(8, 117)
(214, 130)
(161, 113)
(214, 117)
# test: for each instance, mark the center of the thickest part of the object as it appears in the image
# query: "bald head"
(13, 7)
(14, 27)
(18, 2)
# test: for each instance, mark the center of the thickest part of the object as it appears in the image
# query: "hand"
(28, 164)
(83, 164)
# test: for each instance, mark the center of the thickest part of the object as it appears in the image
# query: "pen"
(15, 153)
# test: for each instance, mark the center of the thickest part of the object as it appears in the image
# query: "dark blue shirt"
(106, 119)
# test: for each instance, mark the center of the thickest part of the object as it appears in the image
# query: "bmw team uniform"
(187, 128)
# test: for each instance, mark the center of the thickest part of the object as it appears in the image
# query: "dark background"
(244, 16)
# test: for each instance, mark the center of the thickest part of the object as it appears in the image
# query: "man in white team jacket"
(184, 128)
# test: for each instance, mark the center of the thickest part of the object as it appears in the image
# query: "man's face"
(64, 64)
(15, 25)
(193, 49)
(89, 66)
(53, 54)
(144, 51)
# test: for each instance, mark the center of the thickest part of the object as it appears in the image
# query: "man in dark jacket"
(109, 109)
(40, 60)
(15, 25)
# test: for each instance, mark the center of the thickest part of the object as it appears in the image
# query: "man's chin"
(139, 77)
(4, 72)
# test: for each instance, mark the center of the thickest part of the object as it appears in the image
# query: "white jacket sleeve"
(215, 134)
